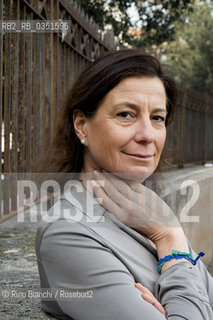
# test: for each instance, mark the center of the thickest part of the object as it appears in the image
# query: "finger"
(121, 185)
(130, 201)
(142, 195)
(149, 297)
(154, 302)
(131, 189)
(143, 289)
(104, 199)
(111, 189)
(149, 197)
(136, 186)
(140, 287)
(108, 203)
(112, 203)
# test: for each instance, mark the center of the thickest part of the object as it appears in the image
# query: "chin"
(136, 176)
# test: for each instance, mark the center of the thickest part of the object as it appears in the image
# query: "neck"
(86, 174)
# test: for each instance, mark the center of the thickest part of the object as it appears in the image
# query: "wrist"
(174, 240)
(169, 264)
(177, 255)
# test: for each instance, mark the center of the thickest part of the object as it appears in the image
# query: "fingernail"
(95, 173)
(94, 183)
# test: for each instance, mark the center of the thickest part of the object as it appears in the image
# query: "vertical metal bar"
(62, 69)
(35, 101)
(21, 98)
(209, 138)
(182, 129)
(46, 90)
(1, 109)
(67, 69)
(15, 75)
(70, 68)
(38, 143)
(40, 60)
(28, 98)
(7, 112)
(55, 75)
(48, 77)
(73, 65)
(41, 89)
(205, 157)
(59, 72)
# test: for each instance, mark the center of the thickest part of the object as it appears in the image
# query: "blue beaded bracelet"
(179, 255)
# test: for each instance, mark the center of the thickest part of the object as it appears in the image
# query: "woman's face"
(127, 134)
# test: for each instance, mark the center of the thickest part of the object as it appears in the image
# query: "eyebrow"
(136, 107)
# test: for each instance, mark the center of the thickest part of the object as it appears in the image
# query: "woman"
(108, 232)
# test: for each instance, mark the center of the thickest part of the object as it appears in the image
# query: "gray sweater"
(83, 248)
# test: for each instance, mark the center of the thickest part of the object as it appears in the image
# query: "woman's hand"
(142, 209)
(149, 297)
(136, 206)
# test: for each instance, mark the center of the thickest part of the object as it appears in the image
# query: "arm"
(182, 292)
(73, 258)
(180, 288)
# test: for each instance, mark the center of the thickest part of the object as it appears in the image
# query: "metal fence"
(190, 136)
(36, 70)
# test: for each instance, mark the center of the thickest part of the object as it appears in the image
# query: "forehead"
(143, 85)
(138, 89)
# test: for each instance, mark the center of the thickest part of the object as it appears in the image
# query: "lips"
(143, 156)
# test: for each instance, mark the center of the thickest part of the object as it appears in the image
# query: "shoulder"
(62, 219)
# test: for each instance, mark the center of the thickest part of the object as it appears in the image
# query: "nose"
(145, 133)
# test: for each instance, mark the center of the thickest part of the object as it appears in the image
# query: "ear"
(80, 121)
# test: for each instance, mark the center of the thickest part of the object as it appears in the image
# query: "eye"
(125, 115)
(159, 118)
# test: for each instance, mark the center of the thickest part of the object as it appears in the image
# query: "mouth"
(140, 156)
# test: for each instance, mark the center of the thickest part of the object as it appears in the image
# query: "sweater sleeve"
(185, 291)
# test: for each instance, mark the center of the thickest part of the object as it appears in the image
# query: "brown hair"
(65, 153)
